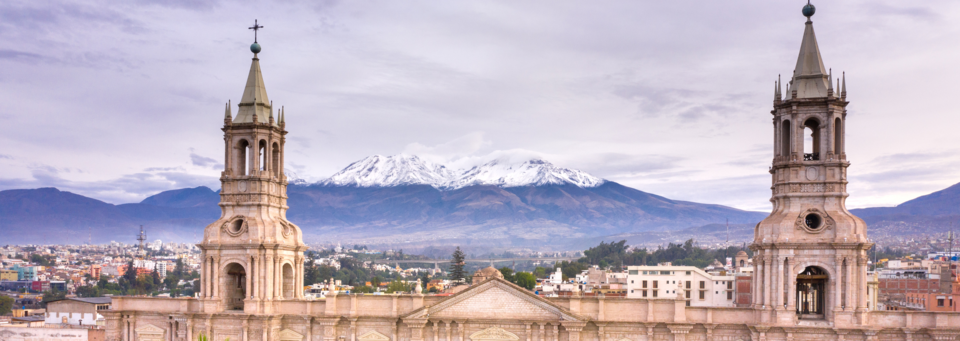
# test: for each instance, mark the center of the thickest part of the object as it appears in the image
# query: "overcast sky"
(118, 100)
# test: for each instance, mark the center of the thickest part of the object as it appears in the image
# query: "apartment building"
(699, 288)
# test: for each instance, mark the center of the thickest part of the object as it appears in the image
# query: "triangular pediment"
(149, 329)
(289, 335)
(373, 336)
(495, 299)
(494, 334)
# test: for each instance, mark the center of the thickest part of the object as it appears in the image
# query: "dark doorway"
(811, 293)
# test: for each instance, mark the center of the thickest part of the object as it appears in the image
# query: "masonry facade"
(809, 270)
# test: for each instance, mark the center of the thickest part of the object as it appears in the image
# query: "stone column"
(203, 275)
(679, 331)
(248, 281)
(416, 328)
(778, 284)
(543, 336)
(436, 330)
(573, 330)
(254, 271)
(527, 329)
(463, 329)
(267, 275)
(836, 281)
(791, 285)
(216, 277)
(757, 281)
(767, 278)
(861, 283)
(449, 325)
(277, 274)
(556, 333)
(851, 285)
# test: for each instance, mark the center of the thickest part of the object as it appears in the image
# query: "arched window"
(785, 139)
(263, 155)
(275, 164)
(837, 136)
(811, 140)
(242, 160)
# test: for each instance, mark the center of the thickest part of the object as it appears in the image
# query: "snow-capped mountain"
(397, 170)
(389, 171)
(528, 173)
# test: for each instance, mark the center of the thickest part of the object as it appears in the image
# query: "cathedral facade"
(810, 257)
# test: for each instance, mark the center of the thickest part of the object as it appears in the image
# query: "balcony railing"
(811, 156)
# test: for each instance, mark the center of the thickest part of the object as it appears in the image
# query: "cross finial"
(255, 28)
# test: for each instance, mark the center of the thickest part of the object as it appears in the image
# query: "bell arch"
(233, 282)
(812, 293)
(288, 281)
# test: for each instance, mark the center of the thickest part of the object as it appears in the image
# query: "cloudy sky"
(118, 100)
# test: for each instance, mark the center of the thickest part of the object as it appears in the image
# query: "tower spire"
(810, 78)
(227, 115)
(254, 104)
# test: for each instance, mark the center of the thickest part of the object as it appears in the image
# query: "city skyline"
(666, 98)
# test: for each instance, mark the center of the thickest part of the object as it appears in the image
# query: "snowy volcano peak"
(398, 170)
(389, 171)
(535, 172)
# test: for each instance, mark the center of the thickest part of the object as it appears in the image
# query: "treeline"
(618, 255)
(351, 272)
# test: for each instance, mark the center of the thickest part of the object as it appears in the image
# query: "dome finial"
(809, 9)
(255, 47)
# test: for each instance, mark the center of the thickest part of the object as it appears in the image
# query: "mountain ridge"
(402, 169)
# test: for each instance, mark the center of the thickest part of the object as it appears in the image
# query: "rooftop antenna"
(141, 238)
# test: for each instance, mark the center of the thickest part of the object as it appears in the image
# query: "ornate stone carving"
(826, 222)
(231, 228)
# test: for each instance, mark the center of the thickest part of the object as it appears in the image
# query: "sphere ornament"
(255, 48)
(809, 10)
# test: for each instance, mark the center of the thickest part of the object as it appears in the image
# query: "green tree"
(376, 281)
(540, 272)
(52, 295)
(507, 274)
(363, 289)
(131, 274)
(180, 269)
(397, 286)
(6, 304)
(88, 291)
(457, 274)
(525, 280)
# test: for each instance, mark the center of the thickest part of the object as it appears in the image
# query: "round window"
(236, 226)
(813, 221)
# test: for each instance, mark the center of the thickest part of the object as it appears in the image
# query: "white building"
(700, 288)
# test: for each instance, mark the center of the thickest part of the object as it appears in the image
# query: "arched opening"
(287, 281)
(811, 140)
(263, 155)
(742, 263)
(275, 164)
(234, 286)
(811, 293)
(785, 139)
(242, 160)
(837, 137)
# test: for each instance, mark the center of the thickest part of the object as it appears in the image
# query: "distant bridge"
(477, 260)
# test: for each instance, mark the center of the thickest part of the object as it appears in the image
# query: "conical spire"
(227, 115)
(810, 77)
(254, 102)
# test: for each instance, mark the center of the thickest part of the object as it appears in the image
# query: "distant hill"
(403, 200)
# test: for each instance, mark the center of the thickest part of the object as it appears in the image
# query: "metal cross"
(255, 28)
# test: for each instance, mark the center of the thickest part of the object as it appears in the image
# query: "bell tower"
(810, 253)
(252, 256)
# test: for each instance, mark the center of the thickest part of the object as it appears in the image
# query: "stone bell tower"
(810, 253)
(252, 256)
